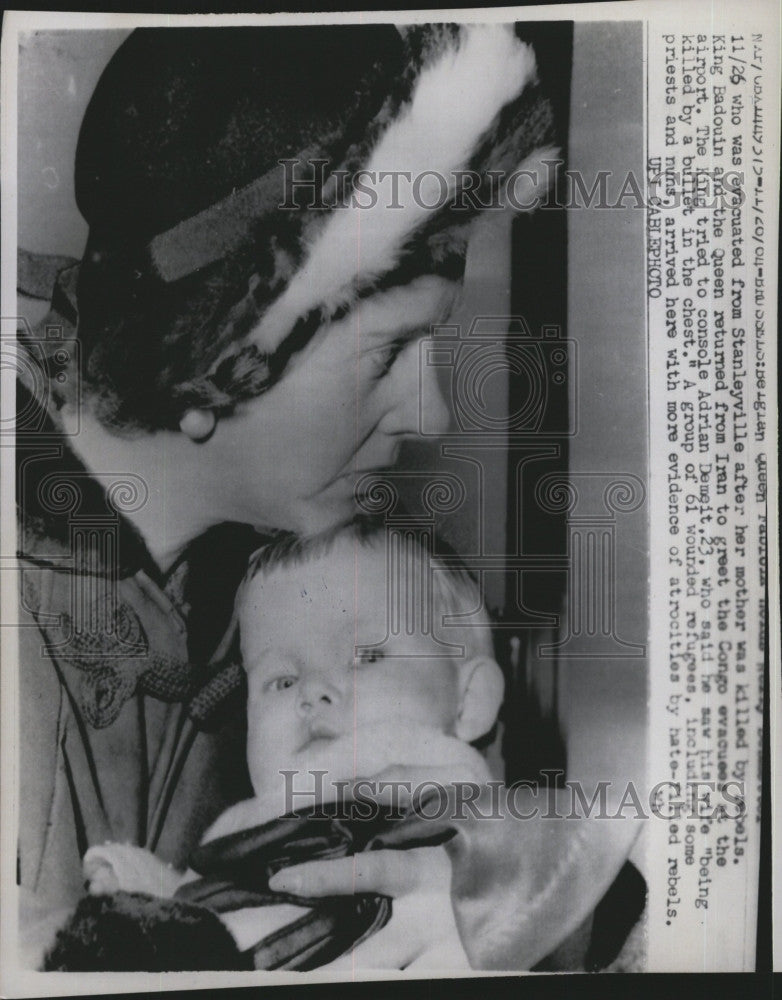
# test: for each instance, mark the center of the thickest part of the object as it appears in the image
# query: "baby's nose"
(317, 693)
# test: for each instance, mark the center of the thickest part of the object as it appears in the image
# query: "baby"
(345, 680)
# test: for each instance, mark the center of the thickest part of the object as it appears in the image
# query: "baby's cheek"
(436, 702)
(255, 762)
(262, 726)
(418, 699)
(267, 719)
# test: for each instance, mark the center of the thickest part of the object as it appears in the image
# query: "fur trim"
(533, 176)
(476, 76)
(400, 311)
(131, 932)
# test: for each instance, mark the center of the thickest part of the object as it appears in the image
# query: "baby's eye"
(280, 683)
(369, 656)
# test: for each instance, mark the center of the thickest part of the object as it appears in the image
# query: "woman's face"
(291, 458)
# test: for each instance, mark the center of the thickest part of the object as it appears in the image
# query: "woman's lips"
(376, 465)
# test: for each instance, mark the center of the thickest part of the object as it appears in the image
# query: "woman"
(245, 350)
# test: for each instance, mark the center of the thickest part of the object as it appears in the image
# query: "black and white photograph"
(389, 452)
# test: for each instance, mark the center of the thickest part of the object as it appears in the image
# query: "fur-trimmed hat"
(221, 173)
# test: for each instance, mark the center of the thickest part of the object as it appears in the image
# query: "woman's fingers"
(421, 934)
(388, 873)
(422, 922)
(395, 946)
(399, 785)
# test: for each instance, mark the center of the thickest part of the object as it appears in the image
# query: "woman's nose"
(419, 405)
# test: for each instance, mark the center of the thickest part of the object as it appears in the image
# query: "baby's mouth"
(318, 736)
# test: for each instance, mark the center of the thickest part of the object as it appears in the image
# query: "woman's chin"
(308, 518)
(324, 512)
(335, 504)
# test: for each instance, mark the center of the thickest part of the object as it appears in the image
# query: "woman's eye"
(281, 683)
(385, 358)
(369, 656)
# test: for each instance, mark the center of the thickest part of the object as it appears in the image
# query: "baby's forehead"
(342, 598)
(350, 573)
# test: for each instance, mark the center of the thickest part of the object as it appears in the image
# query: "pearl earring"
(198, 425)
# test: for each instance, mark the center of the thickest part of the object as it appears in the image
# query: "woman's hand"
(422, 931)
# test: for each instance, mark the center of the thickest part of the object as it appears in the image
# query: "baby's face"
(300, 626)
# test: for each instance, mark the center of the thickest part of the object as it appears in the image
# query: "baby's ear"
(482, 690)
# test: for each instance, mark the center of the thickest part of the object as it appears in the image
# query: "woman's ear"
(198, 425)
(482, 690)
